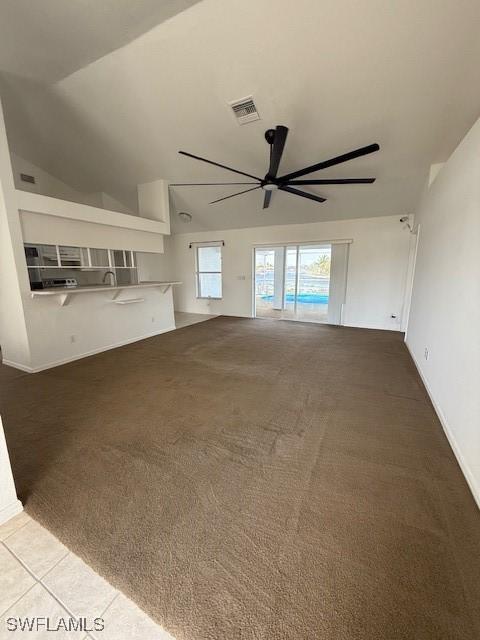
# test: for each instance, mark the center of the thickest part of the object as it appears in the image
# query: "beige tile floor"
(184, 319)
(39, 577)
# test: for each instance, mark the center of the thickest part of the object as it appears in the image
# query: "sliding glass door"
(265, 281)
(313, 274)
(293, 282)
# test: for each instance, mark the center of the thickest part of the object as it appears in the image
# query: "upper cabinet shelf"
(45, 256)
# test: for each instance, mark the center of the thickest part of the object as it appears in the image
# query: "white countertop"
(53, 291)
(63, 294)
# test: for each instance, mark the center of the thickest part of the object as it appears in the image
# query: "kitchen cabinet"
(41, 255)
(124, 259)
(49, 265)
(73, 256)
(99, 258)
(119, 258)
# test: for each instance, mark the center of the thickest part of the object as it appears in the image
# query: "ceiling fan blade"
(335, 181)
(276, 149)
(234, 194)
(266, 199)
(217, 164)
(205, 184)
(357, 153)
(297, 192)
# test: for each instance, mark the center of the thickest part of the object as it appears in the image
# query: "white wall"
(9, 503)
(157, 266)
(95, 322)
(154, 201)
(49, 185)
(445, 305)
(111, 203)
(376, 274)
(92, 322)
(45, 229)
(47, 205)
(13, 272)
(38, 333)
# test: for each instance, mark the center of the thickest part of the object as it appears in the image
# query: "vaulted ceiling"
(339, 74)
(48, 40)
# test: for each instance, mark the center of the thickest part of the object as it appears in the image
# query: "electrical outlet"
(426, 353)
(72, 339)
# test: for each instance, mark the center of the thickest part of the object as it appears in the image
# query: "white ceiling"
(339, 74)
(50, 39)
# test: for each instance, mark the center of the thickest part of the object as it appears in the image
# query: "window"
(209, 270)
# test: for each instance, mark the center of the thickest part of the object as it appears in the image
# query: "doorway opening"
(304, 282)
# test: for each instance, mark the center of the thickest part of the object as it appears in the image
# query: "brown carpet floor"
(255, 480)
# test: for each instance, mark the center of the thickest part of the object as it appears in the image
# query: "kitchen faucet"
(111, 273)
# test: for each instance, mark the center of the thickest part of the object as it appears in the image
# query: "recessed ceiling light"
(184, 216)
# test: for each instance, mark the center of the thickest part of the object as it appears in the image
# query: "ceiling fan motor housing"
(269, 186)
(270, 135)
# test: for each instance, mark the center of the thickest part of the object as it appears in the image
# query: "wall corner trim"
(469, 477)
(12, 509)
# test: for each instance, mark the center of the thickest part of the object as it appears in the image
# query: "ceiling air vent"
(245, 110)
(24, 177)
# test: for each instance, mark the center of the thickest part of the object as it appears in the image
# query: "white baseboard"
(57, 363)
(469, 477)
(10, 510)
(17, 365)
(377, 327)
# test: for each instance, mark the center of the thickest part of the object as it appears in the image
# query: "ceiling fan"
(276, 138)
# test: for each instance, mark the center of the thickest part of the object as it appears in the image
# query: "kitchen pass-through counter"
(63, 294)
